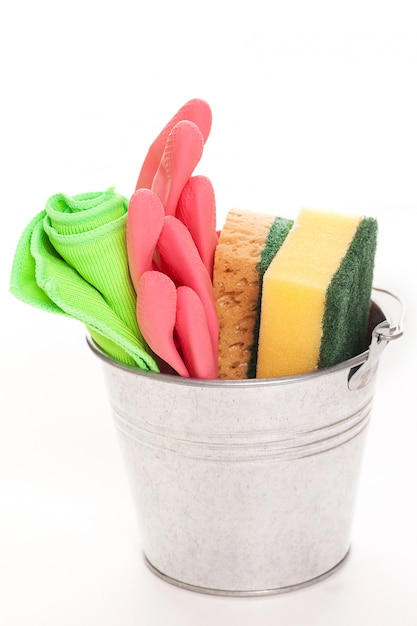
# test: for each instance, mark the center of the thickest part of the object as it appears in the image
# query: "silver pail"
(246, 487)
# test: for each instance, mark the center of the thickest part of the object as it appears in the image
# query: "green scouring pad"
(317, 294)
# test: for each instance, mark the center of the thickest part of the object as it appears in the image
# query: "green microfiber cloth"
(71, 259)
(276, 236)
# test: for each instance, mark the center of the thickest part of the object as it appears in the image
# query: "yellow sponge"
(316, 294)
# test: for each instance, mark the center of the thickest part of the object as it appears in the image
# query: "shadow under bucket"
(246, 487)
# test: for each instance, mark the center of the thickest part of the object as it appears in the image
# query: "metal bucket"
(246, 487)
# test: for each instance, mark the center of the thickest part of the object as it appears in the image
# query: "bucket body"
(243, 487)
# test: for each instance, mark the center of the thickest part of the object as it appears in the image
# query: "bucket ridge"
(211, 447)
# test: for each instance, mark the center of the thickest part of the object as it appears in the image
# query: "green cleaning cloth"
(72, 259)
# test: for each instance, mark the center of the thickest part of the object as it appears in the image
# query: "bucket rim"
(225, 383)
(349, 364)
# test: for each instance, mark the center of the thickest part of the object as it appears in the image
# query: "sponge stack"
(316, 294)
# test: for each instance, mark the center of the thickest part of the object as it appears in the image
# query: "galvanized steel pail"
(246, 487)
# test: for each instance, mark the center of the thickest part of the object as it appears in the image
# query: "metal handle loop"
(388, 332)
(382, 333)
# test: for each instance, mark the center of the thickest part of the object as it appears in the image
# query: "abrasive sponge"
(316, 294)
(247, 244)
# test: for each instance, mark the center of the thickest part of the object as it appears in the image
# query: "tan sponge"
(247, 244)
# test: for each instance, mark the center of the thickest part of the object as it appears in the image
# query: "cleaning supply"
(171, 237)
(72, 259)
(183, 151)
(180, 260)
(316, 294)
(277, 234)
(175, 297)
(145, 220)
(247, 243)
(197, 210)
(158, 322)
(197, 111)
(158, 288)
(193, 334)
(89, 233)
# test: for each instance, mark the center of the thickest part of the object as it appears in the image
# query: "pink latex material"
(193, 336)
(197, 210)
(195, 110)
(145, 219)
(171, 238)
(156, 312)
(163, 256)
(183, 151)
(183, 263)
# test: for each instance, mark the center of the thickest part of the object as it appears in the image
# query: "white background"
(314, 104)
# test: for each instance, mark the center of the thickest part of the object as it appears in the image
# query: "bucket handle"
(382, 334)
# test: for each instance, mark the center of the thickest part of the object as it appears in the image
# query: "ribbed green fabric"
(71, 259)
(89, 232)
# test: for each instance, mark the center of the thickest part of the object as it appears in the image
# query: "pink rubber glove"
(193, 335)
(180, 260)
(145, 219)
(183, 150)
(156, 312)
(197, 210)
(152, 239)
(197, 111)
